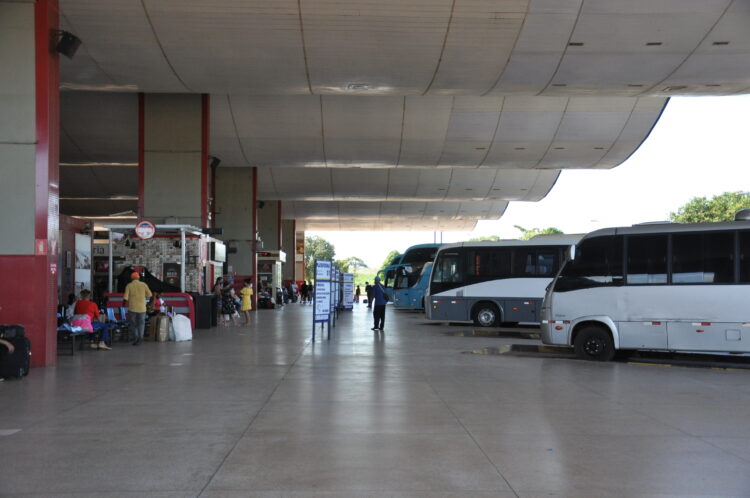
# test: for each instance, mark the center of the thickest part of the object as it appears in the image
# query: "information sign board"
(322, 300)
(322, 306)
(348, 291)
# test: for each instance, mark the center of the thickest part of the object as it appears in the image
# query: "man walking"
(135, 297)
(380, 298)
(368, 291)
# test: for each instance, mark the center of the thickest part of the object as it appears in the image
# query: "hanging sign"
(145, 229)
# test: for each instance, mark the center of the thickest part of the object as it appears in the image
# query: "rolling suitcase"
(15, 364)
(11, 331)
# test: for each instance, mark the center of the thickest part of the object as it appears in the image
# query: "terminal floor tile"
(262, 411)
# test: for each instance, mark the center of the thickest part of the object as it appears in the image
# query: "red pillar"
(206, 222)
(254, 242)
(29, 293)
(141, 151)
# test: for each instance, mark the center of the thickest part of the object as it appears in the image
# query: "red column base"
(26, 299)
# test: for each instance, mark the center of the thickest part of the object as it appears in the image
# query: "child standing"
(247, 303)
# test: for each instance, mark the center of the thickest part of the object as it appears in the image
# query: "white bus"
(494, 282)
(656, 286)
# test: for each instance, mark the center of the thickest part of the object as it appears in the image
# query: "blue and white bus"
(412, 260)
(491, 283)
(388, 274)
(411, 287)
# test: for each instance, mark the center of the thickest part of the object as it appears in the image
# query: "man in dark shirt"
(368, 291)
(380, 298)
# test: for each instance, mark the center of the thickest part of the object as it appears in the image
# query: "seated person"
(155, 305)
(85, 306)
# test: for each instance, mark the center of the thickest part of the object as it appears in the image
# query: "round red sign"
(145, 229)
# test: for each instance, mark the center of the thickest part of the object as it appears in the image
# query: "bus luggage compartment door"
(448, 309)
(706, 336)
(521, 310)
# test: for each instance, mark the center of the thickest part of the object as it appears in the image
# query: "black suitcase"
(15, 364)
(11, 331)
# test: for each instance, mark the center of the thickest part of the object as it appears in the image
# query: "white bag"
(182, 329)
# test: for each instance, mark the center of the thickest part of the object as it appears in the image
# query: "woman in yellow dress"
(247, 302)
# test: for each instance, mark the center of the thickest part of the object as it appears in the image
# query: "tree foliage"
(316, 248)
(486, 238)
(528, 233)
(350, 264)
(389, 258)
(720, 207)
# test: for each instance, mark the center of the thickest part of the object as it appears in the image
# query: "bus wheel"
(486, 315)
(594, 343)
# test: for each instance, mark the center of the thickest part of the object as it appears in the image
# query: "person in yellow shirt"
(135, 298)
(247, 303)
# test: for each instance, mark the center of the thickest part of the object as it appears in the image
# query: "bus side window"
(745, 256)
(524, 262)
(703, 258)
(647, 259)
(546, 264)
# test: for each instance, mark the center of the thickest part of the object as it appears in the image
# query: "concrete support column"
(299, 255)
(236, 215)
(173, 180)
(269, 225)
(29, 172)
(289, 245)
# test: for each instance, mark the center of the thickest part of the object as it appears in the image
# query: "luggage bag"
(161, 330)
(182, 328)
(15, 364)
(10, 331)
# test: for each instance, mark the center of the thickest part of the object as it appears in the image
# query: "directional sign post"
(322, 296)
(348, 291)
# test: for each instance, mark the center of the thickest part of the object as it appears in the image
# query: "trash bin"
(205, 311)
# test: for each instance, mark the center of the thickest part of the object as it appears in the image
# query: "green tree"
(350, 264)
(389, 258)
(486, 238)
(355, 263)
(720, 207)
(316, 248)
(531, 232)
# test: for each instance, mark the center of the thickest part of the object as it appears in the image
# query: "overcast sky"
(699, 147)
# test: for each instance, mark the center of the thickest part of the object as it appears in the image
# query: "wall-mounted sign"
(145, 229)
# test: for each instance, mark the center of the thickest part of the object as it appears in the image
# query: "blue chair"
(119, 328)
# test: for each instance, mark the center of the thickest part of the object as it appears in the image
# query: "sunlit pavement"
(262, 411)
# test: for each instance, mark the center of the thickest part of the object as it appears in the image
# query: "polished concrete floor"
(261, 411)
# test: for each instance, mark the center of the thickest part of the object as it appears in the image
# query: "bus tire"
(486, 315)
(594, 343)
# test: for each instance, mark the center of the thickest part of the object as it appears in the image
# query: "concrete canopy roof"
(411, 47)
(358, 107)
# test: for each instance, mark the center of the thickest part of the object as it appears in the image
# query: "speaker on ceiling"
(67, 44)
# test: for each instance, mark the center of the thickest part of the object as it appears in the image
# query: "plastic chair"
(119, 328)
